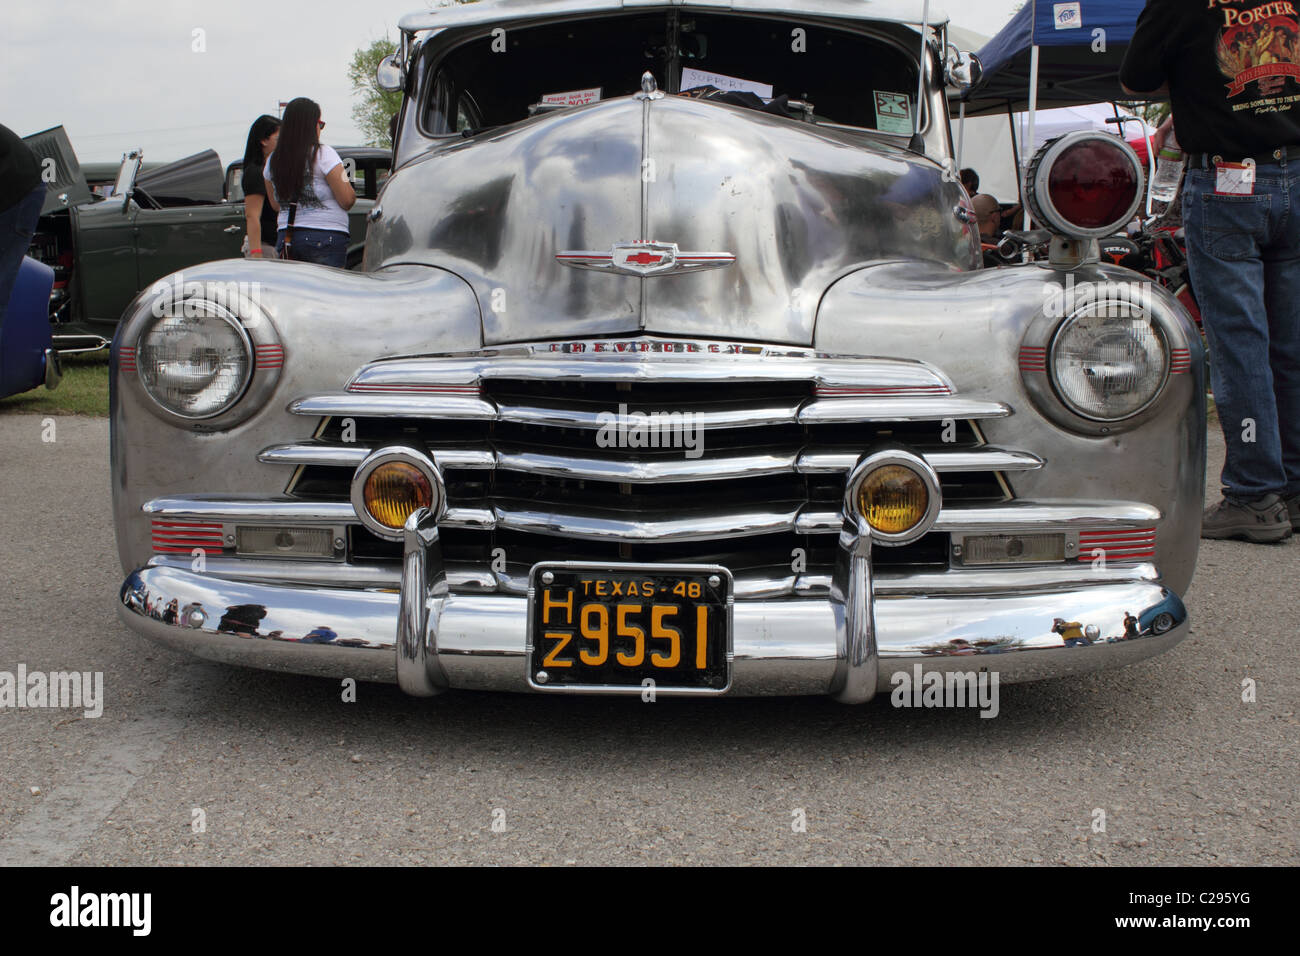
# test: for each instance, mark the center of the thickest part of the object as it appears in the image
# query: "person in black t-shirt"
(258, 214)
(1232, 71)
(22, 194)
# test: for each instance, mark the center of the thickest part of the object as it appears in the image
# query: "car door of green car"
(104, 276)
(174, 238)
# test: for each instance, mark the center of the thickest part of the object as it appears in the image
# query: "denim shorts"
(322, 246)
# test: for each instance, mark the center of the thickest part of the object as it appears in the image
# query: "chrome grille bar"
(352, 455)
(826, 411)
(397, 405)
(583, 467)
(604, 524)
(974, 459)
(739, 416)
(632, 364)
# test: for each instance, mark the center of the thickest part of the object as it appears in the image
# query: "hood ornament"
(645, 257)
(649, 88)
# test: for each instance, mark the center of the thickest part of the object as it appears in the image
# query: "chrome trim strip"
(839, 410)
(756, 586)
(623, 360)
(825, 461)
(351, 455)
(673, 469)
(761, 414)
(364, 405)
(735, 466)
(289, 511)
(603, 524)
(1046, 515)
(313, 453)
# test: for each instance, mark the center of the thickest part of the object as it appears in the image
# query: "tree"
(375, 107)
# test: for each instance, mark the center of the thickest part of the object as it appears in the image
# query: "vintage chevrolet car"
(704, 394)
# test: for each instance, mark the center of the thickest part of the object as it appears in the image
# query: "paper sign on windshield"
(893, 113)
(572, 98)
(692, 78)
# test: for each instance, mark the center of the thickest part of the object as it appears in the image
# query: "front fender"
(971, 326)
(330, 322)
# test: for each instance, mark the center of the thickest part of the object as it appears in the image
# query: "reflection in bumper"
(781, 647)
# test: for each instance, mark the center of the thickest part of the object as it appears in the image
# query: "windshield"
(828, 75)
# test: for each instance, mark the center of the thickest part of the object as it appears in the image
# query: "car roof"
(505, 11)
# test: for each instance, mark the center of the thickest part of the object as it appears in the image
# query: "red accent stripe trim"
(414, 387)
(1121, 544)
(1125, 533)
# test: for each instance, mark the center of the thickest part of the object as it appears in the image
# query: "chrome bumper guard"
(427, 639)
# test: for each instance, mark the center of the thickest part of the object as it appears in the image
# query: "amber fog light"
(895, 493)
(391, 485)
(893, 499)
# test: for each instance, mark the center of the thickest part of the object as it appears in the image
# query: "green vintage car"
(104, 250)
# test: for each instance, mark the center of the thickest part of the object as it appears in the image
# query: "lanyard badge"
(1235, 179)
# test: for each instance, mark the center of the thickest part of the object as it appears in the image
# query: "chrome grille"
(527, 477)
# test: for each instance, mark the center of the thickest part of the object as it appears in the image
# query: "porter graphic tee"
(1233, 69)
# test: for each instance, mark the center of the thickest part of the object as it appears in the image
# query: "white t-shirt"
(317, 207)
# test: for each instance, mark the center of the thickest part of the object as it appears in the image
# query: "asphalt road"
(279, 769)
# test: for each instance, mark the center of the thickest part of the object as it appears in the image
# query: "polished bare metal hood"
(798, 206)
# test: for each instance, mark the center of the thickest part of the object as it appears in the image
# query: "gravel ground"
(282, 771)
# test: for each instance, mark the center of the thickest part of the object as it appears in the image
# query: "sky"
(121, 74)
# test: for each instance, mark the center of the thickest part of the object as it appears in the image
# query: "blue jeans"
(17, 225)
(323, 246)
(1244, 256)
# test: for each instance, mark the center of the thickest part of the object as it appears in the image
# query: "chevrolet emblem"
(645, 257)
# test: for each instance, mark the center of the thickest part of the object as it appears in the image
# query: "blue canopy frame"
(1078, 63)
(1085, 43)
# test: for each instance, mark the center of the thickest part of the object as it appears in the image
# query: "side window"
(450, 108)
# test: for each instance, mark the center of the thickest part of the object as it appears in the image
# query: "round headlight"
(1109, 361)
(391, 484)
(195, 361)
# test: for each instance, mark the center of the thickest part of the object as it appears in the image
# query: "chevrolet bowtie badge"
(644, 257)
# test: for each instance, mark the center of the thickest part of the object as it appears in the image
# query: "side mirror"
(389, 77)
(962, 70)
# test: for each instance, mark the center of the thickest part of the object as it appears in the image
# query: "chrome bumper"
(848, 645)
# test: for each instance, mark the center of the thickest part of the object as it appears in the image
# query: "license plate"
(629, 627)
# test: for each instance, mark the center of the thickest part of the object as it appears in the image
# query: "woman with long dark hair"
(310, 190)
(258, 214)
